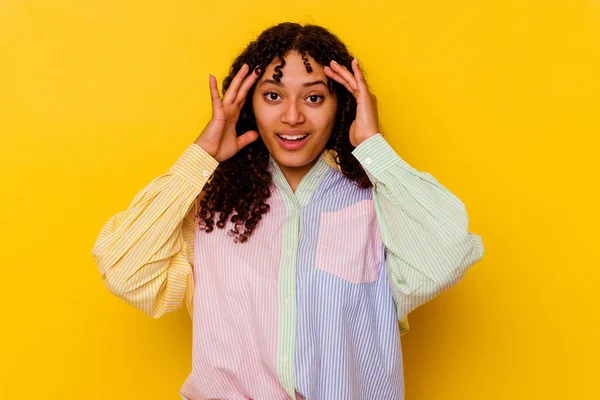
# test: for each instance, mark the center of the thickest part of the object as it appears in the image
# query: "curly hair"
(241, 184)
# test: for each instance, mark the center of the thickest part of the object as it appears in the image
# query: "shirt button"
(205, 173)
(368, 161)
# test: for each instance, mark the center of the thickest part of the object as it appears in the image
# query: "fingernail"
(356, 61)
(335, 62)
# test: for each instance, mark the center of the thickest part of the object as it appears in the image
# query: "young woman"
(296, 236)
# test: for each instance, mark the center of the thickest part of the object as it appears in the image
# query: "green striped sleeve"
(424, 227)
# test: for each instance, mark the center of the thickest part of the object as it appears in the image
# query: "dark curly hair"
(242, 183)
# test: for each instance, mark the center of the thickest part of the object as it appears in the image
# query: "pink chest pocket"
(349, 244)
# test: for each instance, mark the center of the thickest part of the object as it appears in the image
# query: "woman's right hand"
(219, 137)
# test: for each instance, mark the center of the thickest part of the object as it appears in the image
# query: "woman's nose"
(292, 114)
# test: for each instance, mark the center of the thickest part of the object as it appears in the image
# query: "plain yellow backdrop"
(499, 99)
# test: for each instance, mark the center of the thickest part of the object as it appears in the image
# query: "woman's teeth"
(287, 137)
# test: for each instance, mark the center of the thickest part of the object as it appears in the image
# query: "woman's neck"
(294, 175)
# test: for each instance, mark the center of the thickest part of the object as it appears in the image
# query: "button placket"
(287, 295)
(294, 201)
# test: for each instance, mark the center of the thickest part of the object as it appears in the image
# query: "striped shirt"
(313, 305)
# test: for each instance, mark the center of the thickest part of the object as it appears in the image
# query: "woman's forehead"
(294, 71)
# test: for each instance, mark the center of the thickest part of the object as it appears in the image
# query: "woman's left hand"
(366, 123)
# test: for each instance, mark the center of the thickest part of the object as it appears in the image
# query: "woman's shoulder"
(336, 185)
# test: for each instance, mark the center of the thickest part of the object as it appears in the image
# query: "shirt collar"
(308, 184)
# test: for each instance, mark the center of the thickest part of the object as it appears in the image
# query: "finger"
(231, 93)
(246, 139)
(214, 94)
(360, 78)
(340, 69)
(340, 79)
(246, 85)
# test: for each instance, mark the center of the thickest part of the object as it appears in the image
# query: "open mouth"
(292, 138)
(292, 142)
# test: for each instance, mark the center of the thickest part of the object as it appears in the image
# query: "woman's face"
(295, 118)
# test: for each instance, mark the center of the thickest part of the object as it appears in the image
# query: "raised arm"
(145, 252)
(424, 227)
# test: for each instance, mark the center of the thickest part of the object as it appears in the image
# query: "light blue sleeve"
(424, 227)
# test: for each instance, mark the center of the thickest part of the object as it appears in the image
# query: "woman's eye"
(315, 98)
(271, 94)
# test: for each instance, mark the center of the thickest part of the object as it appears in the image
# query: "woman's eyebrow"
(306, 84)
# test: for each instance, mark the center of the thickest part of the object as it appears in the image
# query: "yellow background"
(499, 99)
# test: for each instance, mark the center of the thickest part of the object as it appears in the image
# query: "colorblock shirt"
(313, 305)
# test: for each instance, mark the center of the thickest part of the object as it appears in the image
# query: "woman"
(325, 237)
